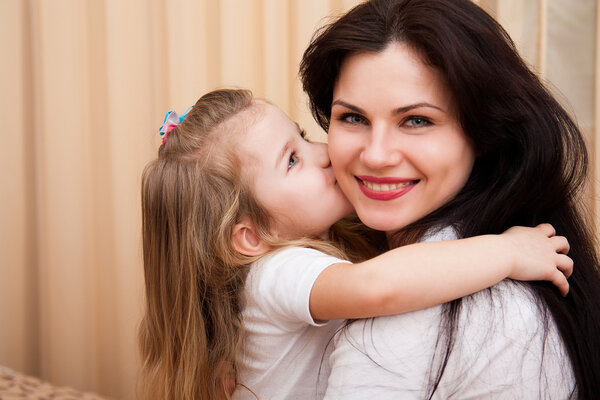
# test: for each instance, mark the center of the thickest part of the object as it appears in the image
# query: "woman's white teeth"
(386, 187)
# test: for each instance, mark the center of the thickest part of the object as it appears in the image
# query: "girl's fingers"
(561, 244)
(548, 229)
(560, 281)
(565, 265)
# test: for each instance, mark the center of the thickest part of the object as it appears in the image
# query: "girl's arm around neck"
(425, 274)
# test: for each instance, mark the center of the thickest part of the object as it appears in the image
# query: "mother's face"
(396, 147)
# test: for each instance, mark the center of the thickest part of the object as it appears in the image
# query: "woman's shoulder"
(507, 329)
(394, 338)
(500, 332)
(511, 307)
(505, 309)
(505, 316)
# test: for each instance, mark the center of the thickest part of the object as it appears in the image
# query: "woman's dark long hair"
(531, 161)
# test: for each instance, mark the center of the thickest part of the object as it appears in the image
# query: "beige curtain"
(85, 84)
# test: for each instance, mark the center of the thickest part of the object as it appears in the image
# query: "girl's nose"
(321, 155)
(381, 150)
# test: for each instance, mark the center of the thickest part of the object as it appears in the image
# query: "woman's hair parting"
(531, 163)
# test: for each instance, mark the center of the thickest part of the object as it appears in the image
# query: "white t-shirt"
(500, 352)
(285, 351)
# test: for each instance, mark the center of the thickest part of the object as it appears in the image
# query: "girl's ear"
(245, 240)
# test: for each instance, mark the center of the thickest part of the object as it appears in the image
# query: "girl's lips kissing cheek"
(385, 188)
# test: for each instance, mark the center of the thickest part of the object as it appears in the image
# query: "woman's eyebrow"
(348, 105)
(396, 111)
(405, 109)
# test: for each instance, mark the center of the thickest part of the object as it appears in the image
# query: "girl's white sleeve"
(279, 285)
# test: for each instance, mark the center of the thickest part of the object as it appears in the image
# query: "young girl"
(244, 262)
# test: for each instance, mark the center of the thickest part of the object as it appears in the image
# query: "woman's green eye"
(353, 118)
(417, 122)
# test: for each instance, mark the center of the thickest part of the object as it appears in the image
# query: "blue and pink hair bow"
(170, 122)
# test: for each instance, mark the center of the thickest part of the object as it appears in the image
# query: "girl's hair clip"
(170, 122)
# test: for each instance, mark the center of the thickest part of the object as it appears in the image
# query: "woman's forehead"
(402, 79)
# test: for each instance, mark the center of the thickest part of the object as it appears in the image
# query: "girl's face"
(397, 150)
(291, 177)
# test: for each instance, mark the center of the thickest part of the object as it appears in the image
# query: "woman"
(438, 129)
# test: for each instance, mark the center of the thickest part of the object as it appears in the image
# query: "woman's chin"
(382, 222)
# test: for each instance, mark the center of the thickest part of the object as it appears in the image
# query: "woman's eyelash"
(351, 118)
(412, 121)
(416, 121)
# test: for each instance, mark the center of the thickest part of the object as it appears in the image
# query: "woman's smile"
(387, 188)
(398, 154)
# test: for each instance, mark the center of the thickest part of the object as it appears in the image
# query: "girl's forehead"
(236, 127)
(268, 133)
(243, 132)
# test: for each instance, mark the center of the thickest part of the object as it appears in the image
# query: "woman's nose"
(381, 150)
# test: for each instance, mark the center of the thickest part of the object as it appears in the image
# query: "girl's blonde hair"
(193, 194)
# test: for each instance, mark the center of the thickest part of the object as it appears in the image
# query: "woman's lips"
(385, 188)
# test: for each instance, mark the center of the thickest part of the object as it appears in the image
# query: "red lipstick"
(406, 185)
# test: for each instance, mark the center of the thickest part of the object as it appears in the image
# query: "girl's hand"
(540, 255)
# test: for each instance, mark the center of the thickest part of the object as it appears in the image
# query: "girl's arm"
(429, 273)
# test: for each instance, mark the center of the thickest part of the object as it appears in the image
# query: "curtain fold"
(85, 86)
